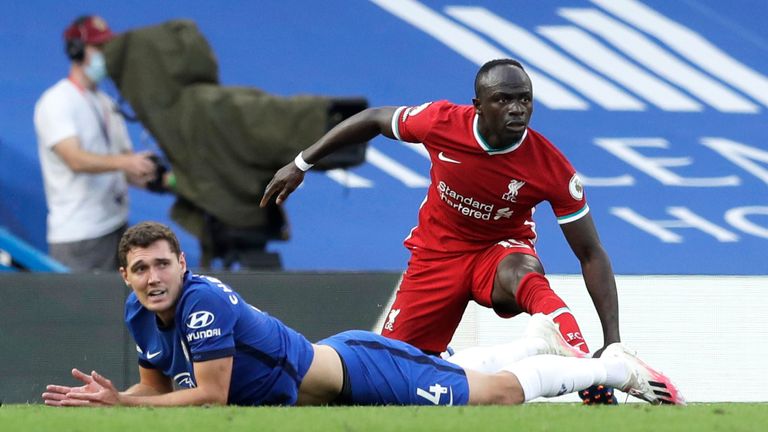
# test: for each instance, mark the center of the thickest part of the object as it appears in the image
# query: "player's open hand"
(103, 393)
(285, 181)
(55, 394)
(95, 391)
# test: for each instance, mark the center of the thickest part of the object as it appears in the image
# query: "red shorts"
(436, 289)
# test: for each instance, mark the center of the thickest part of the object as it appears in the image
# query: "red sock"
(535, 295)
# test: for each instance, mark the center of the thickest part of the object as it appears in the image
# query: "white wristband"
(301, 163)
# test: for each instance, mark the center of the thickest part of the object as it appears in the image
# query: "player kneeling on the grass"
(196, 332)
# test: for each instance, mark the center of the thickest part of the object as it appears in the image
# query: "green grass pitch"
(532, 417)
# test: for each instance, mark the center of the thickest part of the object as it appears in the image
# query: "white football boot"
(644, 382)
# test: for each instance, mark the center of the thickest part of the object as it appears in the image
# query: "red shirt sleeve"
(569, 201)
(413, 123)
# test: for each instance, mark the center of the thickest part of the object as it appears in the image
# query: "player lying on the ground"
(197, 333)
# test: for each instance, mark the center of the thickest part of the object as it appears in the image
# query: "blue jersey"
(212, 321)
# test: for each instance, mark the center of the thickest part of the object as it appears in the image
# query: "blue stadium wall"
(660, 105)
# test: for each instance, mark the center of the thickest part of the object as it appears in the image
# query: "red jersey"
(479, 195)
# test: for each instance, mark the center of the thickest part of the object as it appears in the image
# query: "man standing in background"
(86, 156)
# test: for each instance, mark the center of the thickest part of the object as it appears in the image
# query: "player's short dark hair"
(143, 235)
(484, 69)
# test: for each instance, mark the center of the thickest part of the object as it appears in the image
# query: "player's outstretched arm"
(598, 275)
(361, 127)
(151, 382)
(212, 376)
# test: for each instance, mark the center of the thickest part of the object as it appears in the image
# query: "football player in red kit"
(476, 235)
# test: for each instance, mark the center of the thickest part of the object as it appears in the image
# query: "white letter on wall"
(685, 219)
(737, 217)
(623, 148)
(740, 154)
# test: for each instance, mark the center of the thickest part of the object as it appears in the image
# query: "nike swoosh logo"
(445, 158)
(150, 356)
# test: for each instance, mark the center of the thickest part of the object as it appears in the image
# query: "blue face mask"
(96, 69)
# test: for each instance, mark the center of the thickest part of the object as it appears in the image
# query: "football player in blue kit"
(199, 342)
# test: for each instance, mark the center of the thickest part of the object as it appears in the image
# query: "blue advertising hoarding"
(661, 107)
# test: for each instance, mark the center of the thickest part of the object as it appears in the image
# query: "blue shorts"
(382, 371)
